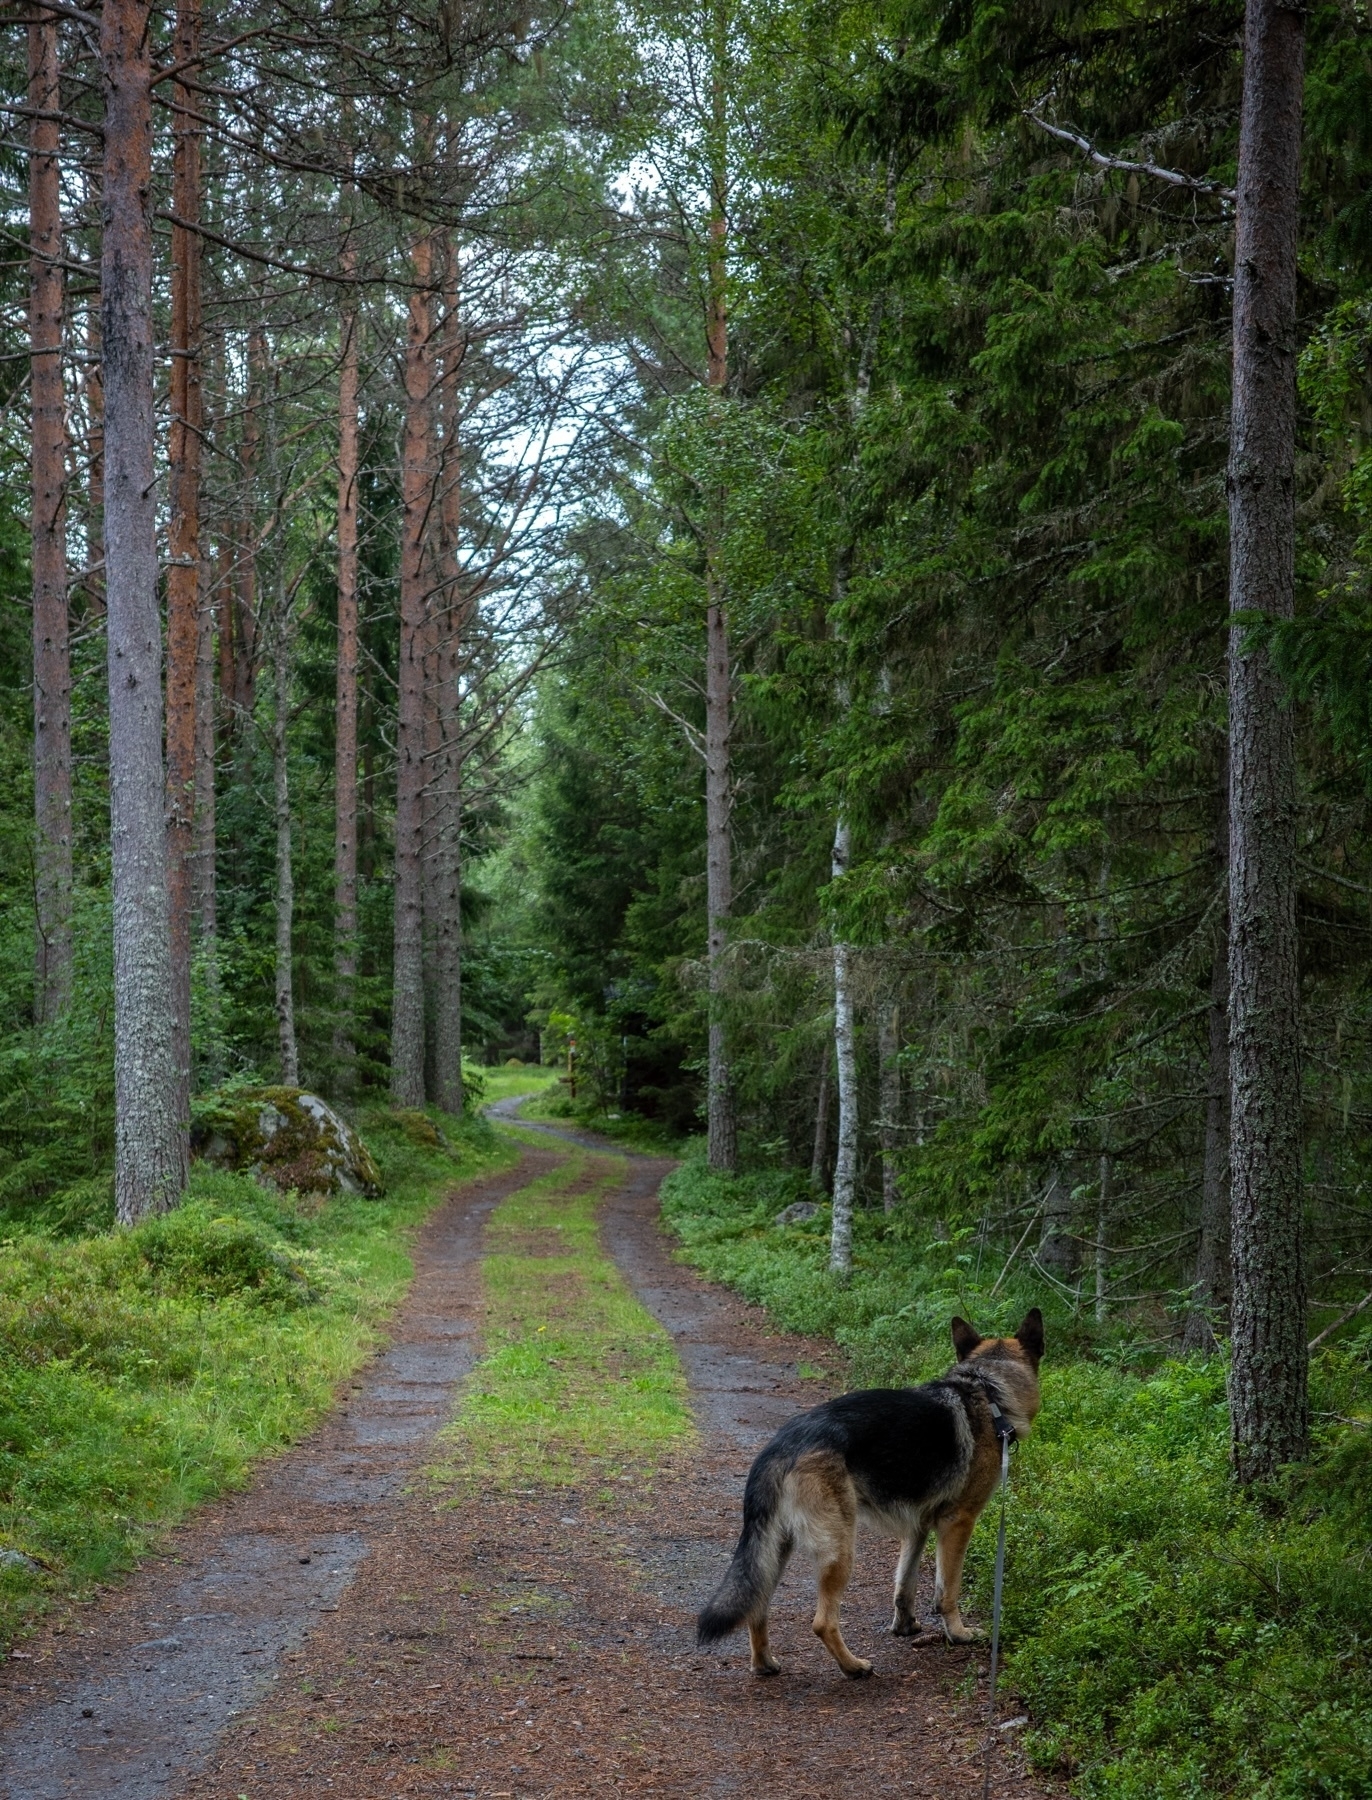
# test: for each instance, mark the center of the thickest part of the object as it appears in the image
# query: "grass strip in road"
(578, 1380)
(143, 1371)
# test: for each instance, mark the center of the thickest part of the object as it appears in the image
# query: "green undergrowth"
(578, 1381)
(1171, 1637)
(143, 1371)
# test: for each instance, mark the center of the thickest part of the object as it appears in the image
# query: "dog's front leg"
(903, 1620)
(953, 1536)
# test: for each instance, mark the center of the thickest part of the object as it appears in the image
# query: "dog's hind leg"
(903, 1620)
(953, 1536)
(760, 1648)
(824, 1506)
(834, 1574)
(761, 1659)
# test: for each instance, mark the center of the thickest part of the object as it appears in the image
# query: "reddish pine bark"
(51, 654)
(1269, 1407)
(150, 1146)
(284, 896)
(204, 889)
(183, 568)
(345, 726)
(416, 486)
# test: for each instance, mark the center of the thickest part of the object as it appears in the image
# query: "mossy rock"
(286, 1136)
(419, 1128)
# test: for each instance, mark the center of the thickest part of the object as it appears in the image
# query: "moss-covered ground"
(1173, 1637)
(143, 1371)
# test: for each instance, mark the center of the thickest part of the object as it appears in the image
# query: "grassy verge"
(1171, 1637)
(578, 1380)
(504, 1083)
(142, 1371)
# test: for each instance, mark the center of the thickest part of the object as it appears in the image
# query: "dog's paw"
(904, 1625)
(958, 1633)
(767, 1668)
(860, 1669)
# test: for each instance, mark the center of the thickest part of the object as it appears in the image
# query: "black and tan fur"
(905, 1460)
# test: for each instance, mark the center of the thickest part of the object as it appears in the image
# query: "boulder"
(796, 1213)
(286, 1136)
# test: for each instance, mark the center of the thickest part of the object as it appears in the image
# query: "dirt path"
(519, 1644)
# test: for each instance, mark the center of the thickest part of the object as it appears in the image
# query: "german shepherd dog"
(906, 1460)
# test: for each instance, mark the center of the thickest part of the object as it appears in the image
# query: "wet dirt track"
(517, 1645)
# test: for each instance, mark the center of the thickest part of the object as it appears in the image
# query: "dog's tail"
(751, 1578)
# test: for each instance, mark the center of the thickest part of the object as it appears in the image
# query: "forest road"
(518, 1644)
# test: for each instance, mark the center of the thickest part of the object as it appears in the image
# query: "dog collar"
(1002, 1427)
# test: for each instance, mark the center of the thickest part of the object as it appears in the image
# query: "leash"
(1005, 1431)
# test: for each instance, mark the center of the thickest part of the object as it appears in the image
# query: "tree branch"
(1174, 177)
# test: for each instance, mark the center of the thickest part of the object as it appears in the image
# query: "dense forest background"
(802, 435)
(963, 488)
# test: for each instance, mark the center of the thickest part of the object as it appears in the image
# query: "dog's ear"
(1030, 1335)
(965, 1338)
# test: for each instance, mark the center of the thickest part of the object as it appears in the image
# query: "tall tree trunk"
(430, 827)
(845, 1061)
(416, 484)
(1269, 1408)
(204, 888)
(722, 1119)
(722, 1122)
(345, 724)
(819, 1156)
(183, 568)
(446, 776)
(888, 1048)
(246, 636)
(51, 652)
(205, 893)
(285, 872)
(1105, 1193)
(845, 1027)
(93, 581)
(151, 1147)
(1059, 1251)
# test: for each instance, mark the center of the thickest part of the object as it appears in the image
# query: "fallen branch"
(1174, 177)
(1342, 1319)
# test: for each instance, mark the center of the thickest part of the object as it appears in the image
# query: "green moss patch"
(578, 1380)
